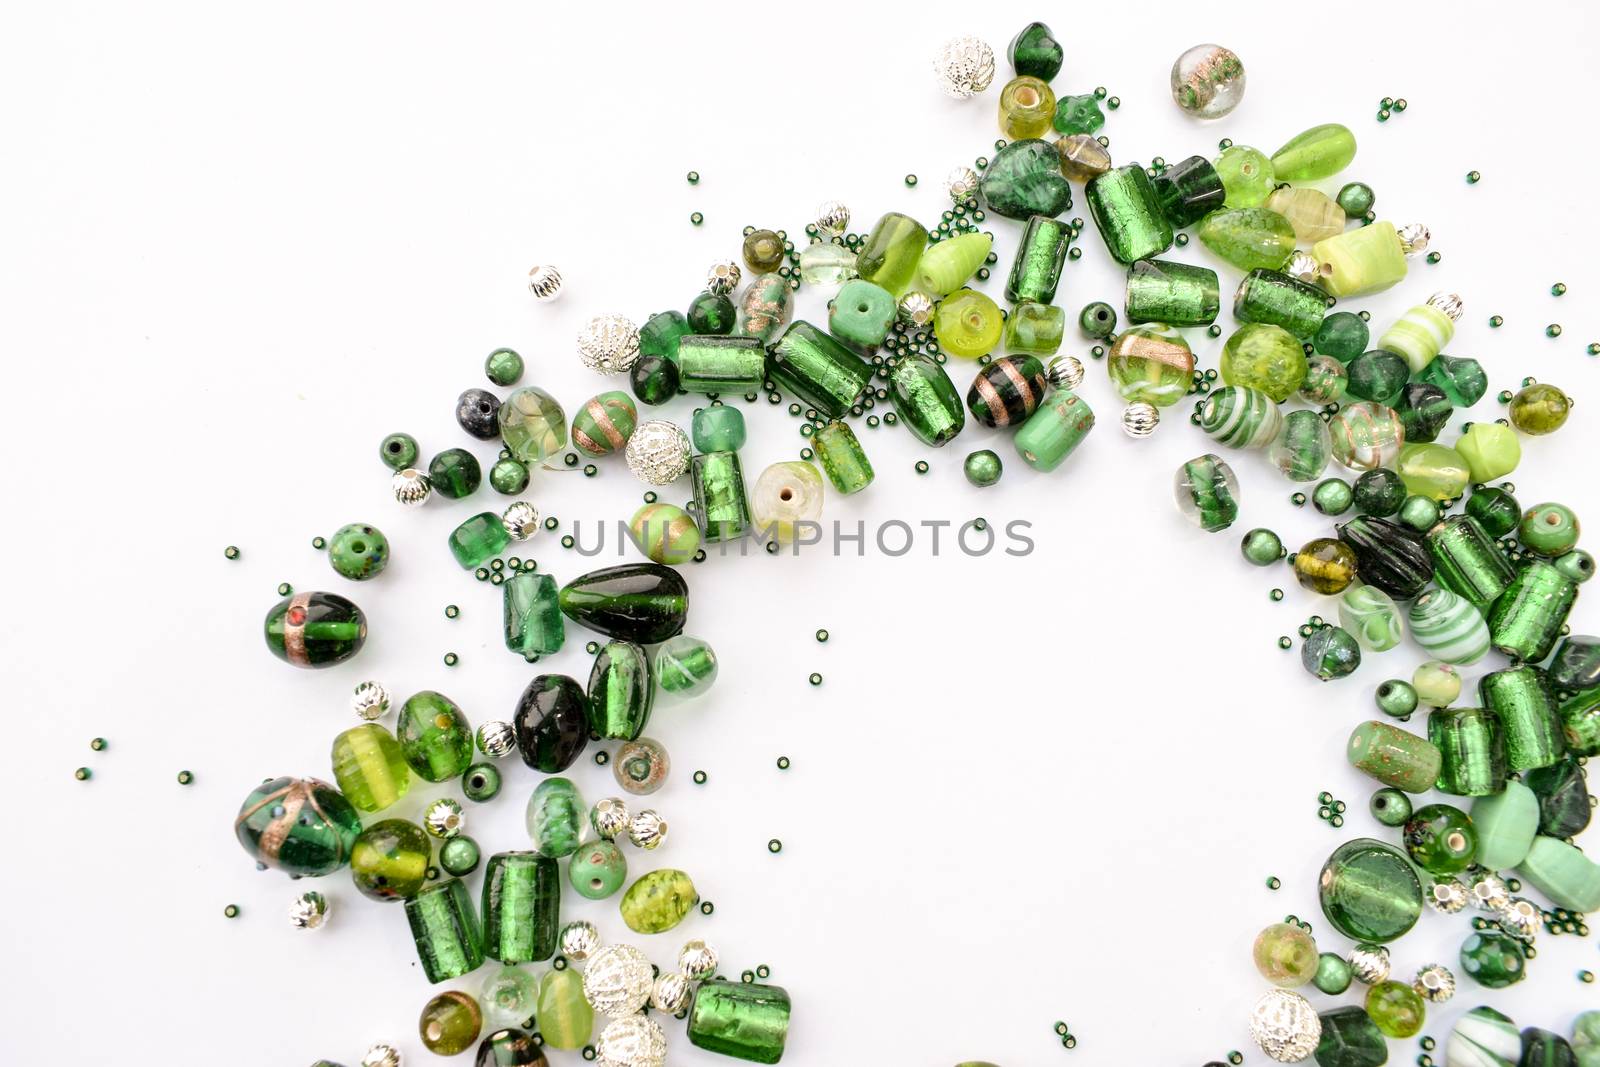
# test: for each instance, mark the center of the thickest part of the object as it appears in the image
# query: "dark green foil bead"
(982, 468)
(455, 473)
(1390, 556)
(1379, 492)
(508, 476)
(621, 692)
(1007, 391)
(1440, 839)
(1188, 191)
(714, 364)
(744, 1020)
(718, 428)
(398, 451)
(510, 1047)
(301, 826)
(503, 367)
(1098, 320)
(552, 723)
(1329, 653)
(1378, 375)
(1034, 51)
(531, 612)
(1467, 561)
(315, 629)
(521, 906)
(926, 399)
(1494, 959)
(1495, 509)
(1024, 179)
(818, 369)
(1369, 892)
(1273, 297)
(1563, 791)
(710, 313)
(1342, 335)
(654, 379)
(1461, 379)
(1529, 615)
(720, 500)
(434, 736)
(1390, 807)
(1519, 698)
(1036, 272)
(1177, 294)
(1424, 410)
(660, 334)
(445, 931)
(1350, 1039)
(1261, 547)
(643, 602)
(1472, 752)
(481, 782)
(1128, 214)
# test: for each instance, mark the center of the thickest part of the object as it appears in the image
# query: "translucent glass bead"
(1311, 213)
(1371, 616)
(1366, 436)
(1325, 566)
(1434, 471)
(1026, 108)
(785, 496)
(1285, 955)
(1539, 409)
(508, 996)
(1207, 81)
(1396, 1009)
(1317, 153)
(450, 1023)
(826, 264)
(1248, 237)
(1369, 892)
(1207, 492)
(1246, 175)
(532, 424)
(968, 324)
(685, 666)
(1264, 357)
(1151, 363)
(1330, 653)
(1302, 449)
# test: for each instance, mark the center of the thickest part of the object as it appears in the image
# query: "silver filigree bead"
(544, 282)
(1414, 238)
(1369, 964)
(617, 980)
(723, 278)
(833, 218)
(1488, 892)
(1140, 419)
(915, 309)
(1449, 303)
(961, 183)
(579, 940)
(1434, 982)
(497, 738)
(371, 701)
(658, 452)
(1284, 1025)
(309, 911)
(381, 1056)
(1446, 896)
(1519, 917)
(1302, 267)
(964, 66)
(411, 487)
(698, 960)
(1066, 372)
(609, 343)
(521, 520)
(671, 993)
(609, 817)
(444, 818)
(647, 829)
(634, 1041)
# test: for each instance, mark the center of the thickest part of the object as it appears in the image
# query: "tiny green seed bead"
(185, 777)
(451, 659)
(1333, 496)
(231, 552)
(1261, 547)
(1496, 321)
(1276, 595)
(1396, 698)
(1558, 289)
(83, 774)
(700, 777)
(816, 679)
(1472, 177)
(1390, 806)
(822, 635)
(231, 911)
(1553, 330)
(774, 846)
(695, 218)
(1434, 257)
(451, 611)
(922, 466)
(99, 744)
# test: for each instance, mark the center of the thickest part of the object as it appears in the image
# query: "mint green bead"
(863, 313)
(1320, 152)
(1333, 496)
(1371, 615)
(947, 266)
(1333, 973)
(1248, 237)
(598, 870)
(1506, 824)
(1247, 176)
(718, 428)
(1054, 430)
(1548, 530)
(1261, 547)
(1561, 872)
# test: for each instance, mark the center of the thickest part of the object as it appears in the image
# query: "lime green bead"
(1396, 1008)
(1035, 329)
(1539, 409)
(1365, 260)
(1248, 237)
(1320, 152)
(968, 324)
(1247, 176)
(565, 1018)
(658, 901)
(948, 265)
(1433, 471)
(890, 254)
(370, 767)
(1548, 530)
(389, 860)
(1151, 364)
(1490, 449)
(1265, 357)
(435, 736)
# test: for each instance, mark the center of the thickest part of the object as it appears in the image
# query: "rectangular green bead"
(719, 496)
(1529, 615)
(818, 369)
(1052, 432)
(1188, 191)
(1466, 561)
(1520, 700)
(1035, 329)
(1563, 873)
(479, 539)
(745, 1020)
(534, 624)
(714, 364)
(1272, 297)
(843, 459)
(1128, 214)
(1178, 294)
(521, 906)
(1036, 272)
(445, 931)
(1472, 752)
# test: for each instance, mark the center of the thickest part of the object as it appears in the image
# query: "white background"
(243, 242)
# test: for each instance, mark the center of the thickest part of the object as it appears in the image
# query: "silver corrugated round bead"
(309, 911)
(544, 282)
(496, 738)
(916, 309)
(609, 343)
(698, 960)
(1488, 892)
(444, 818)
(671, 993)
(381, 1056)
(371, 700)
(1302, 267)
(634, 1041)
(1140, 419)
(658, 452)
(833, 218)
(1434, 982)
(1065, 372)
(1414, 238)
(617, 980)
(1284, 1025)
(647, 829)
(1449, 303)
(722, 278)
(961, 183)
(1447, 896)
(411, 487)
(579, 940)
(521, 520)
(1520, 917)
(609, 817)
(964, 66)
(1369, 964)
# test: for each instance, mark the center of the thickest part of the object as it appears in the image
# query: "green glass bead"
(889, 256)
(1128, 214)
(1494, 960)
(1007, 391)
(1391, 556)
(1188, 191)
(863, 313)
(459, 856)
(621, 692)
(658, 901)
(1576, 665)
(968, 324)
(1577, 565)
(685, 666)
(1580, 722)
(926, 399)
(1448, 627)
(370, 767)
(1434, 471)
(1177, 294)
(1050, 435)
(532, 615)
(1350, 1038)
(1373, 619)
(843, 459)
(1036, 270)
(762, 251)
(532, 425)
(389, 861)
(605, 422)
(1035, 329)
(1562, 873)
(1490, 449)
(1396, 1009)
(1034, 51)
(718, 428)
(509, 1046)
(450, 1023)
(710, 314)
(720, 498)
(1483, 1036)
(1440, 839)
(1394, 697)
(1248, 238)
(740, 1019)
(654, 379)
(825, 264)
(1585, 1034)
(786, 503)
(1273, 297)
(1342, 335)
(1379, 493)
(767, 303)
(1356, 198)
(1078, 114)
(1390, 807)
(1207, 492)
(1467, 561)
(1543, 1048)
(598, 870)
(1548, 530)
(660, 334)
(1325, 566)
(1393, 756)
(1311, 212)
(1418, 335)
(1419, 512)
(665, 533)
(303, 827)
(1285, 955)
(503, 367)
(1496, 510)
(1330, 653)
(1423, 411)
(508, 476)
(1365, 260)
(315, 630)
(1473, 755)
(1317, 153)
(434, 736)
(1241, 417)
(643, 602)
(398, 451)
(714, 364)
(1378, 376)
(1539, 409)
(1333, 975)
(944, 268)
(1151, 364)
(819, 370)
(481, 782)
(1461, 379)
(478, 539)
(1333, 496)
(1519, 698)
(1369, 892)
(555, 818)
(521, 903)
(1247, 176)
(1098, 320)
(565, 1018)
(445, 930)
(1264, 357)
(982, 468)
(1529, 615)
(1505, 824)
(455, 473)
(1261, 547)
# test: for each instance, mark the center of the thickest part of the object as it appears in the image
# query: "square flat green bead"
(862, 313)
(479, 539)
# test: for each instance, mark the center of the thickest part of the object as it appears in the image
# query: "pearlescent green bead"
(968, 324)
(1317, 153)
(358, 551)
(1342, 335)
(1494, 959)
(1394, 756)
(658, 901)
(1264, 357)
(531, 614)
(398, 451)
(889, 256)
(946, 266)
(389, 861)
(598, 869)
(1419, 513)
(1333, 975)
(1440, 839)
(1378, 376)
(532, 424)
(1561, 872)
(435, 737)
(1364, 260)
(1024, 179)
(369, 767)
(1506, 824)
(1285, 955)
(843, 459)
(1247, 176)
(665, 532)
(503, 367)
(982, 468)
(565, 1018)
(1261, 547)
(1448, 627)
(508, 476)
(1350, 1038)
(445, 931)
(1372, 618)
(1356, 198)
(685, 666)
(521, 906)
(1178, 294)
(1369, 892)
(1395, 698)
(1051, 433)
(1127, 212)
(1434, 471)
(1461, 379)
(1302, 450)
(1484, 1038)
(1248, 237)
(1241, 417)
(460, 856)
(1539, 409)
(1098, 320)
(1396, 1009)
(1035, 329)
(1473, 756)
(1419, 335)
(1548, 530)
(740, 1019)
(1577, 565)
(555, 818)
(604, 423)
(1390, 807)
(1152, 364)
(863, 313)
(1036, 271)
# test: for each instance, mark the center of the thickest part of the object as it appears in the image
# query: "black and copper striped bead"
(1007, 391)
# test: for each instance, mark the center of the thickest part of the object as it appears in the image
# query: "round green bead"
(1326, 380)
(1098, 320)
(450, 1023)
(654, 379)
(455, 473)
(503, 367)
(1246, 174)
(398, 451)
(389, 860)
(1369, 892)
(1342, 335)
(1577, 565)
(1420, 513)
(1331, 652)
(1333, 496)
(358, 551)
(1540, 409)
(1333, 974)
(1396, 1008)
(1390, 807)
(1356, 198)
(718, 428)
(1261, 547)
(1437, 683)
(459, 855)
(1548, 530)
(1264, 357)
(481, 782)
(968, 324)
(712, 313)
(982, 467)
(1494, 959)
(1440, 839)
(1285, 955)
(1396, 698)
(598, 870)
(665, 532)
(1379, 492)
(508, 476)
(1495, 509)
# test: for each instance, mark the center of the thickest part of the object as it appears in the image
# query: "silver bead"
(671, 993)
(1488, 892)
(964, 66)
(521, 520)
(1446, 896)
(309, 911)
(1140, 419)
(916, 309)
(1414, 238)
(723, 278)
(609, 817)
(411, 487)
(1302, 266)
(961, 183)
(1369, 964)
(698, 960)
(833, 218)
(579, 940)
(609, 343)
(1449, 303)
(496, 738)
(381, 1056)
(1520, 917)
(1285, 1026)
(444, 818)
(371, 701)
(544, 282)
(658, 452)
(1066, 372)
(647, 830)
(617, 980)
(1435, 982)
(634, 1041)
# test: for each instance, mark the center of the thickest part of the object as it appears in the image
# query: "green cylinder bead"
(1529, 615)
(532, 425)
(478, 540)
(818, 369)
(744, 1020)
(1188, 191)
(1273, 297)
(534, 625)
(435, 736)
(1473, 754)
(862, 313)
(369, 767)
(719, 496)
(1461, 379)
(1035, 329)
(1248, 237)
(658, 901)
(766, 305)
(621, 692)
(565, 1018)
(1519, 698)
(555, 818)
(1467, 562)
(1026, 107)
(1394, 756)
(1419, 335)
(1314, 154)
(1342, 335)
(843, 459)
(982, 468)
(503, 367)
(1506, 824)
(315, 630)
(605, 422)
(1390, 807)
(521, 906)
(1333, 974)
(445, 931)
(891, 252)
(1128, 214)
(1177, 294)
(718, 428)
(926, 399)
(1369, 892)
(1548, 530)
(1564, 874)
(390, 860)
(1049, 436)
(1364, 260)
(1036, 271)
(660, 334)
(508, 476)
(948, 265)
(398, 451)
(717, 364)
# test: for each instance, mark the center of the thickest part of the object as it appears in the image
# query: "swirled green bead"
(1371, 616)
(532, 425)
(1366, 436)
(1024, 178)
(1324, 382)
(1448, 627)
(1207, 492)
(1241, 417)
(555, 818)
(604, 423)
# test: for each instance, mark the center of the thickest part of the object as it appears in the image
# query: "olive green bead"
(1539, 409)
(1333, 973)
(1285, 955)
(503, 367)
(1396, 1008)
(982, 468)
(1333, 496)
(598, 870)
(398, 451)
(358, 551)
(1396, 698)
(1261, 547)
(508, 476)
(1548, 530)
(389, 860)
(1098, 320)
(1390, 807)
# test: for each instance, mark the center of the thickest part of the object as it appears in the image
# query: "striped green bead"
(369, 767)
(1449, 628)
(946, 266)
(1419, 335)
(1007, 391)
(604, 423)
(1241, 417)
(666, 533)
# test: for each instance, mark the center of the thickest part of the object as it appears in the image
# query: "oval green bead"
(1373, 619)
(565, 1018)
(1317, 153)
(658, 901)
(1393, 756)
(1264, 357)
(890, 253)
(556, 818)
(598, 869)
(946, 266)
(389, 860)
(665, 532)
(1396, 1009)
(370, 767)
(685, 666)
(1434, 471)
(1248, 237)
(604, 423)
(434, 736)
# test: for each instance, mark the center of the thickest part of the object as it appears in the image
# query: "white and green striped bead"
(1419, 335)
(1483, 1038)
(1449, 627)
(1241, 417)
